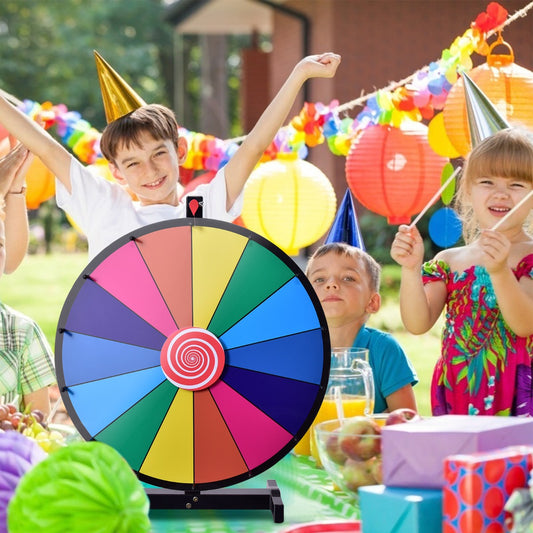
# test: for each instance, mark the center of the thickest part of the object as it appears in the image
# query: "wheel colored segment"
(257, 276)
(215, 253)
(171, 455)
(96, 312)
(167, 254)
(291, 397)
(286, 312)
(255, 434)
(192, 359)
(296, 356)
(133, 432)
(91, 358)
(216, 454)
(98, 403)
(125, 269)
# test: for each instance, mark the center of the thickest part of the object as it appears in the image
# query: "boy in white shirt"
(144, 152)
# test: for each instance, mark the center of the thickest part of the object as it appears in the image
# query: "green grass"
(41, 284)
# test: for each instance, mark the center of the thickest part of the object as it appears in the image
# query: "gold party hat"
(119, 98)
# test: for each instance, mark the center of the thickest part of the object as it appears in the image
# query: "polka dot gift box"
(478, 485)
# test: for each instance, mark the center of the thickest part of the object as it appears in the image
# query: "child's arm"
(420, 305)
(13, 168)
(402, 398)
(515, 297)
(37, 140)
(257, 141)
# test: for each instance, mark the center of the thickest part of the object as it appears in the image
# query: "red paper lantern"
(507, 85)
(393, 171)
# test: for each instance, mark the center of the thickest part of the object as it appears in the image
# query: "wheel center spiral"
(192, 358)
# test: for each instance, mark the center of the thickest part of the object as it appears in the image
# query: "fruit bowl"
(350, 451)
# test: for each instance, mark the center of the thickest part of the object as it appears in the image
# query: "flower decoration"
(310, 122)
(494, 16)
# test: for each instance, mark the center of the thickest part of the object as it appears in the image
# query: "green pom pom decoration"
(86, 487)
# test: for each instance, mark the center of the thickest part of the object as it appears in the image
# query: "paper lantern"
(393, 171)
(290, 202)
(507, 85)
(85, 487)
(40, 183)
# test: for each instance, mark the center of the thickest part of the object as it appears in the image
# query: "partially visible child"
(347, 281)
(485, 287)
(144, 152)
(13, 167)
(26, 360)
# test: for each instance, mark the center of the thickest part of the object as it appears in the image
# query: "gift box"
(414, 452)
(477, 486)
(400, 510)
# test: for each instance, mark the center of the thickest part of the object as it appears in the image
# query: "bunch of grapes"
(31, 424)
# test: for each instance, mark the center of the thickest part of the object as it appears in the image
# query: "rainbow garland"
(425, 93)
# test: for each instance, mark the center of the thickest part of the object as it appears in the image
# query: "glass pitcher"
(351, 383)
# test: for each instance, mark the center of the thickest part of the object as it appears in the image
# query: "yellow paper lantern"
(289, 201)
(507, 85)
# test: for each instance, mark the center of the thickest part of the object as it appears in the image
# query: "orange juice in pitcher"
(351, 383)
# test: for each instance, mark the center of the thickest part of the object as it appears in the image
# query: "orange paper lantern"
(507, 85)
(40, 183)
(393, 171)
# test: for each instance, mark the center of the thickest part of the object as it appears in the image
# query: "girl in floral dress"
(485, 287)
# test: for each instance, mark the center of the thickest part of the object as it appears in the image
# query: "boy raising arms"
(346, 280)
(144, 152)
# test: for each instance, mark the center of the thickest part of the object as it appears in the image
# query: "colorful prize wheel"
(197, 349)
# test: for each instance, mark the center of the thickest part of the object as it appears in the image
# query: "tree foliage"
(47, 50)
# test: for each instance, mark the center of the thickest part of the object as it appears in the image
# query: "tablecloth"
(307, 493)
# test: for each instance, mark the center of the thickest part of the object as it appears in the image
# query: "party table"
(307, 493)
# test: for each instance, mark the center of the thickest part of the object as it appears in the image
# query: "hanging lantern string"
(316, 123)
(394, 85)
(343, 108)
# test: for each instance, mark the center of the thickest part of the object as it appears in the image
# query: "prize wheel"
(197, 349)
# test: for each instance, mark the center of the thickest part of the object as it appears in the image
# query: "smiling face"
(497, 174)
(150, 168)
(343, 286)
(493, 197)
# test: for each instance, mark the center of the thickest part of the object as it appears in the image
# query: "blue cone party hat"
(345, 227)
(483, 118)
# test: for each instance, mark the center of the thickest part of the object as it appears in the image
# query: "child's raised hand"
(319, 66)
(495, 247)
(13, 167)
(408, 247)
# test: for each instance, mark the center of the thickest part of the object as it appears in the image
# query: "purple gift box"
(414, 452)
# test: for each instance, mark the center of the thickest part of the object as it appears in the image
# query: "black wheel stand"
(269, 498)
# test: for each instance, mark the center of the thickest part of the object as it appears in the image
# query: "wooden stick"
(513, 210)
(434, 198)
